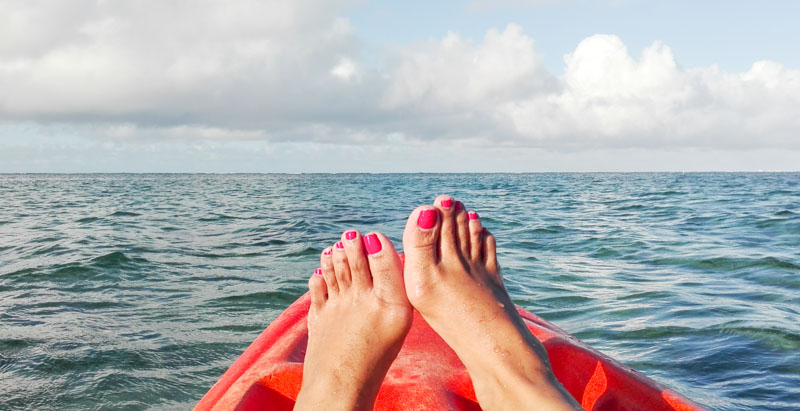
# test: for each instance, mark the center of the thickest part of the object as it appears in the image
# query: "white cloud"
(346, 70)
(292, 70)
(242, 61)
(606, 98)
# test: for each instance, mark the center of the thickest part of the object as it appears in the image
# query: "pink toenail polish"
(350, 235)
(339, 245)
(472, 215)
(318, 271)
(327, 252)
(427, 219)
(372, 243)
(459, 205)
(447, 203)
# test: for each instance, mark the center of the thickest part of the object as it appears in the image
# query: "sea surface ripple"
(138, 291)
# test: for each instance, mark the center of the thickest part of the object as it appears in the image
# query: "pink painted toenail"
(459, 205)
(328, 252)
(339, 245)
(427, 219)
(350, 235)
(472, 215)
(372, 243)
(447, 203)
(318, 271)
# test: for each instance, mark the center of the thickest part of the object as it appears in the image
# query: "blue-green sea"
(138, 291)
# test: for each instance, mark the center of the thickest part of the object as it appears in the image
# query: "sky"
(377, 86)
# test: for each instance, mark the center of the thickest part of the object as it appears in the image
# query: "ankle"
(510, 389)
(334, 394)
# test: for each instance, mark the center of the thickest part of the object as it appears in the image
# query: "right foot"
(452, 278)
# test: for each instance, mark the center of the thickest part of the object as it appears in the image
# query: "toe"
(341, 268)
(448, 244)
(357, 259)
(326, 265)
(385, 267)
(318, 289)
(421, 236)
(475, 235)
(462, 232)
(489, 252)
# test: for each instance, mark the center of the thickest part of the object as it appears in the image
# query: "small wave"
(663, 193)
(218, 217)
(52, 250)
(269, 243)
(306, 251)
(111, 259)
(124, 214)
(88, 219)
(605, 252)
(784, 213)
(553, 229)
(780, 339)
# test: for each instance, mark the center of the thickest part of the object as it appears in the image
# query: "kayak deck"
(427, 374)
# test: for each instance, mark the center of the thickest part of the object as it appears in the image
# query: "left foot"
(358, 319)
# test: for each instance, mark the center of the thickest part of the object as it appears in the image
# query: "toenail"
(318, 271)
(339, 245)
(427, 219)
(350, 235)
(372, 243)
(447, 203)
(459, 205)
(327, 252)
(472, 215)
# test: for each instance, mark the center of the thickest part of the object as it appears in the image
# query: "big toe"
(386, 268)
(420, 238)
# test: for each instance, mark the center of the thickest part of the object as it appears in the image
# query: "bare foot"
(357, 322)
(453, 280)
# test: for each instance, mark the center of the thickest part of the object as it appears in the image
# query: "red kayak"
(427, 374)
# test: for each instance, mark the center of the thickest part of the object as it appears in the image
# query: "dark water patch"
(726, 263)
(785, 213)
(632, 207)
(13, 345)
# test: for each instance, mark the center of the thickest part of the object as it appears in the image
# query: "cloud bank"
(293, 71)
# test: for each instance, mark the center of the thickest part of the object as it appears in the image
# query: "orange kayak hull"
(427, 374)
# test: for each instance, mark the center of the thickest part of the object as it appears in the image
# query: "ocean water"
(138, 291)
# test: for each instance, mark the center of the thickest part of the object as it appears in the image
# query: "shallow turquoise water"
(138, 291)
